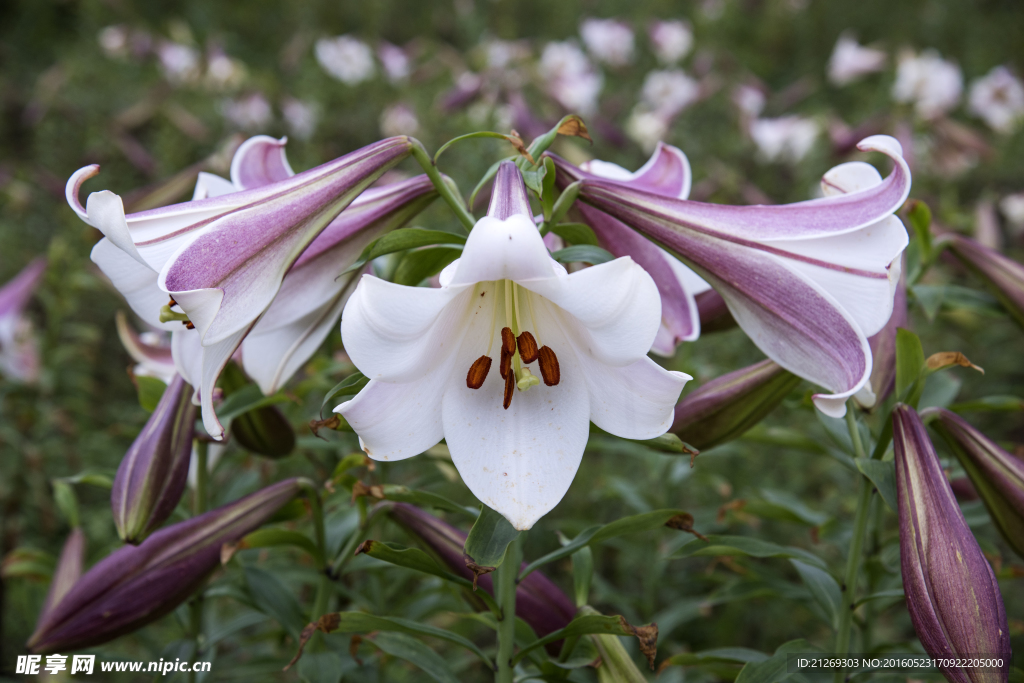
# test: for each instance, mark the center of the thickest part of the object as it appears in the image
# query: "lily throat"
(519, 346)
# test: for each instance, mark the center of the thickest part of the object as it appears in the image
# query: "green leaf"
(575, 233)
(823, 588)
(582, 574)
(402, 239)
(785, 506)
(909, 365)
(489, 538)
(717, 546)
(413, 651)
(989, 403)
(151, 390)
(633, 524)
(723, 655)
(583, 253)
(28, 563)
(883, 475)
(580, 626)
(271, 537)
(775, 668)
(565, 202)
(547, 198)
(534, 179)
(271, 597)
(360, 622)
(419, 498)
(246, 399)
(350, 386)
(67, 501)
(882, 595)
(418, 265)
(920, 217)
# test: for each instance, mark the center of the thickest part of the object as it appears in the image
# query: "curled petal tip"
(881, 143)
(73, 186)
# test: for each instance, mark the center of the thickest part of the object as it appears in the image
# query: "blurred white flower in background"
(395, 62)
(646, 127)
(787, 138)
(851, 60)
(251, 112)
(671, 40)
(749, 99)
(929, 82)
(301, 117)
(609, 40)
(570, 78)
(223, 72)
(503, 53)
(398, 119)
(180, 63)
(998, 99)
(348, 59)
(1012, 208)
(114, 41)
(669, 92)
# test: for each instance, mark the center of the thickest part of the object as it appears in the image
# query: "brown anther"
(527, 347)
(478, 372)
(173, 303)
(510, 387)
(508, 349)
(188, 324)
(549, 366)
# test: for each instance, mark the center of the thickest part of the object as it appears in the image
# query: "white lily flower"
(571, 349)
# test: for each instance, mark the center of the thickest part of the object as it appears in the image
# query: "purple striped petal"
(15, 295)
(154, 360)
(508, 197)
(952, 593)
(260, 161)
(666, 173)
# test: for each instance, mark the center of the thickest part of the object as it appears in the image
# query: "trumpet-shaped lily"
(668, 174)
(570, 349)
(218, 262)
(19, 354)
(809, 282)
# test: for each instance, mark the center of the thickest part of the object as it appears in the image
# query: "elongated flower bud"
(997, 475)
(154, 471)
(726, 407)
(952, 594)
(67, 572)
(539, 602)
(136, 585)
(1004, 277)
(265, 430)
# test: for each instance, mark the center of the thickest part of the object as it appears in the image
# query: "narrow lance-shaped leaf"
(952, 593)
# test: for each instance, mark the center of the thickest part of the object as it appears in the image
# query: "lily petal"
(498, 249)
(214, 358)
(15, 294)
(211, 185)
(260, 161)
(520, 461)
(136, 282)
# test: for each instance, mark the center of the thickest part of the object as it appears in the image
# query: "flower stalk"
(505, 593)
(422, 157)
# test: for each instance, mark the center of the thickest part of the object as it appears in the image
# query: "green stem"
(419, 152)
(323, 588)
(198, 508)
(853, 560)
(505, 592)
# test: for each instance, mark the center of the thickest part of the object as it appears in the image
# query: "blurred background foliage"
(72, 94)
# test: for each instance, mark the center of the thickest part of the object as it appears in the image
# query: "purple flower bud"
(539, 602)
(726, 407)
(136, 585)
(951, 590)
(154, 471)
(997, 476)
(1003, 276)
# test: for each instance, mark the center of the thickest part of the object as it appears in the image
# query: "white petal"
(504, 250)
(106, 213)
(210, 185)
(875, 249)
(398, 334)
(398, 421)
(519, 461)
(272, 353)
(135, 281)
(616, 306)
(635, 402)
(188, 358)
(852, 176)
(215, 357)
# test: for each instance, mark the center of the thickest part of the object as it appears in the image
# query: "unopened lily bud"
(539, 602)
(726, 407)
(713, 312)
(154, 472)
(1004, 277)
(952, 594)
(264, 431)
(136, 585)
(67, 572)
(998, 476)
